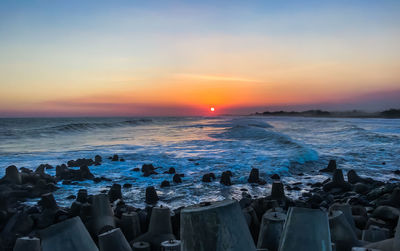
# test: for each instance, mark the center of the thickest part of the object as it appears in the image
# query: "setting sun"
(212, 109)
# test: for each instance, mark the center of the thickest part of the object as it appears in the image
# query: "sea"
(293, 147)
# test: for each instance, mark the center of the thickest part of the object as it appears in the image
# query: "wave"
(296, 151)
(95, 125)
(71, 127)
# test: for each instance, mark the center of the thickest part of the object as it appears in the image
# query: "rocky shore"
(352, 213)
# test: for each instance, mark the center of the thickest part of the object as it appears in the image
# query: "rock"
(359, 210)
(337, 182)
(151, 195)
(80, 162)
(361, 188)
(275, 177)
(48, 202)
(331, 167)
(226, 178)
(360, 221)
(177, 178)
(353, 177)
(165, 183)
(115, 157)
(63, 172)
(122, 160)
(127, 185)
(262, 182)
(208, 177)
(148, 169)
(115, 192)
(397, 172)
(171, 170)
(386, 213)
(254, 176)
(98, 159)
(12, 176)
(136, 169)
(394, 199)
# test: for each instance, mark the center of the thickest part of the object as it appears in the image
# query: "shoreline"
(373, 203)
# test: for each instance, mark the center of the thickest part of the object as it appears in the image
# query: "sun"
(212, 109)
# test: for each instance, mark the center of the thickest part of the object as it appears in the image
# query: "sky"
(123, 58)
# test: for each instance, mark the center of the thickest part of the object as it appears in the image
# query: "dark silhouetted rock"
(12, 176)
(208, 177)
(115, 192)
(226, 178)
(48, 202)
(262, 182)
(148, 169)
(254, 176)
(171, 170)
(275, 177)
(353, 177)
(177, 178)
(165, 183)
(80, 162)
(82, 196)
(136, 169)
(151, 195)
(330, 168)
(115, 157)
(127, 185)
(337, 182)
(98, 159)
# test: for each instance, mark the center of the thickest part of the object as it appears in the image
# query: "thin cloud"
(215, 78)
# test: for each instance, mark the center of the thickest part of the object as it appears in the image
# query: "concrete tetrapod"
(171, 245)
(130, 225)
(141, 246)
(160, 228)
(375, 234)
(69, 235)
(271, 230)
(113, 240)
(305, 230)
(102, 213)
(346, 209)
(364, 249)
(388, 244)
(27, 243)
(341, 232)
(219, 226)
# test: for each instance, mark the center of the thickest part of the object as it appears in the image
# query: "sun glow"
(212, 109)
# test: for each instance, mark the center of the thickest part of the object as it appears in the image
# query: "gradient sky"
(68, 58)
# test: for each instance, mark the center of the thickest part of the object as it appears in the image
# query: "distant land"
(391, 113)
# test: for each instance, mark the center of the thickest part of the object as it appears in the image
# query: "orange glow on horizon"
(212, 109)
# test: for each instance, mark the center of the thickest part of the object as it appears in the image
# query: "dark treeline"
(391, 113)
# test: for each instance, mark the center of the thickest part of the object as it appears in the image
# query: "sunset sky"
(69, 58)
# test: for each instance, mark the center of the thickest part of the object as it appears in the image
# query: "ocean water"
(287, 146)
